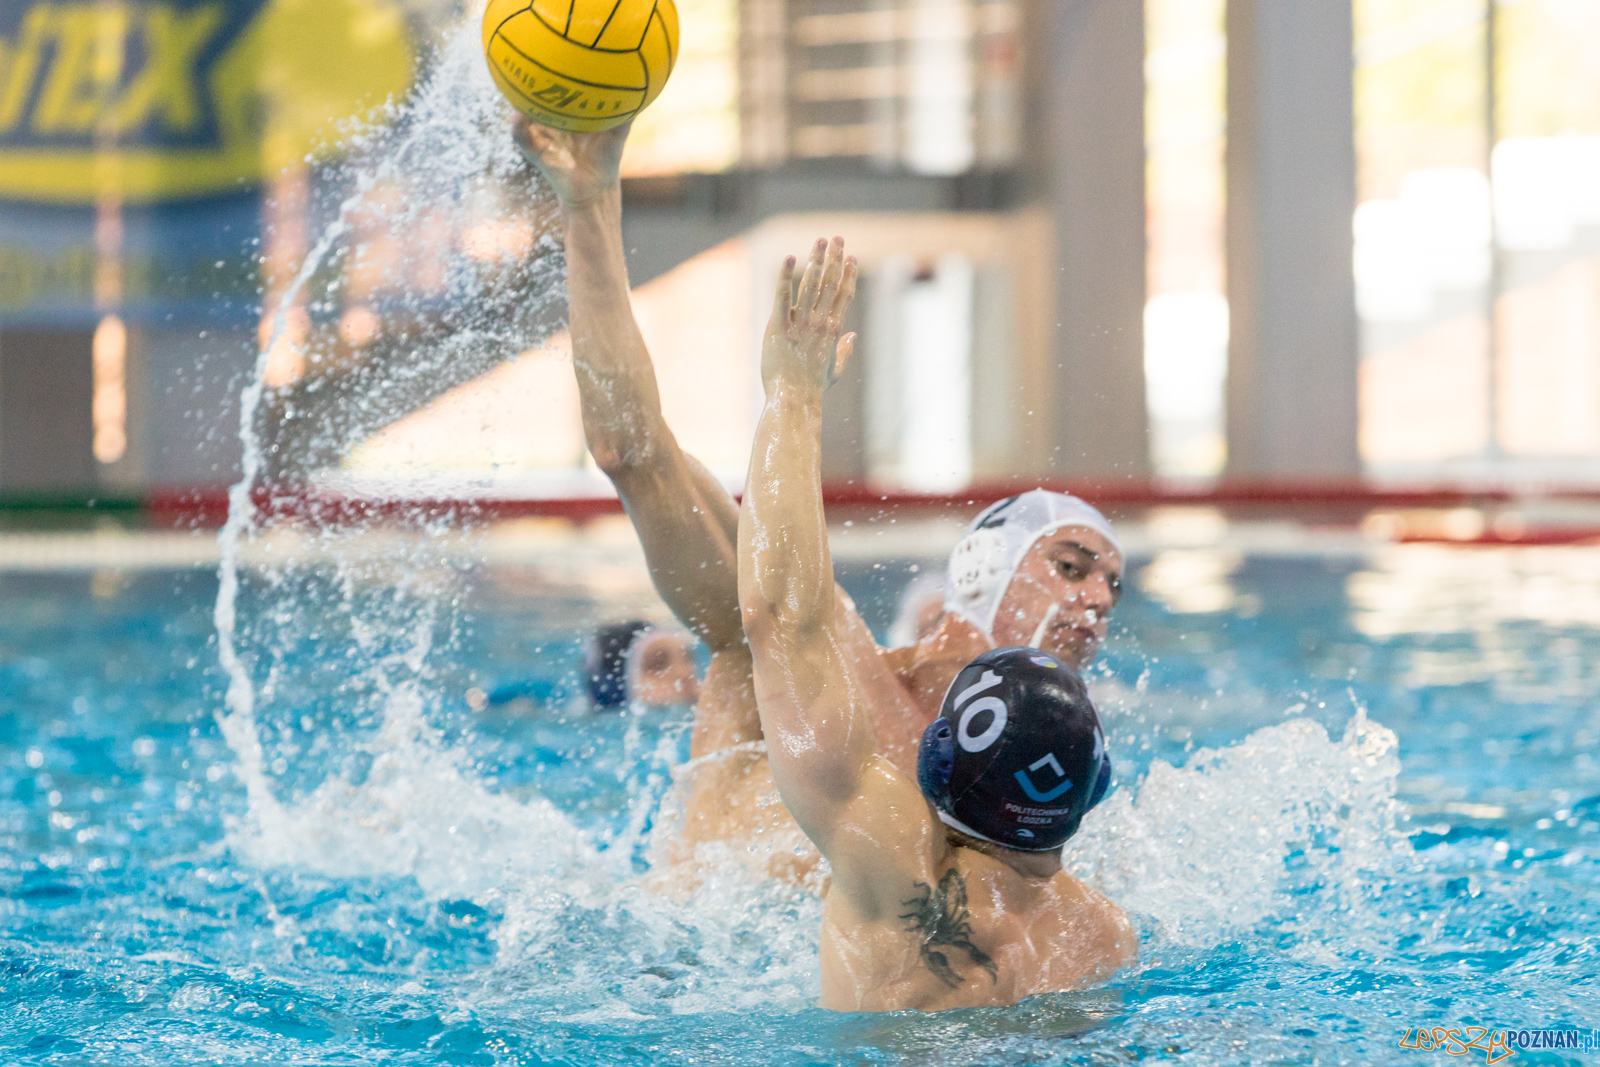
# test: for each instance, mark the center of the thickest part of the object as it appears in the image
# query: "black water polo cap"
(1017, 755)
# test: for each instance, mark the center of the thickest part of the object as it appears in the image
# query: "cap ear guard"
(936, 762)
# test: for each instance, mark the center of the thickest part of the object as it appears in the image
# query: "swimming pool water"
(1355, 795)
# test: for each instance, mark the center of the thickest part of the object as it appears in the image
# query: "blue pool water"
(1355, 795)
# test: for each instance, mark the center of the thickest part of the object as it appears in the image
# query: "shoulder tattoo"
(940, 919)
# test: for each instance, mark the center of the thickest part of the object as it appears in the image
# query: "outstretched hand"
(581, 167)
(803, 342)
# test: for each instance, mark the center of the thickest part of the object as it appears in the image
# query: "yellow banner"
(163, 100)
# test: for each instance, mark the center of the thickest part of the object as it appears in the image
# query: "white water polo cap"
(989, 553)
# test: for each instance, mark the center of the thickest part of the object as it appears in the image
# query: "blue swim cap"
(1016, 756)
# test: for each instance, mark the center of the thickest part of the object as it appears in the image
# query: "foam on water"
(736, 944)
(1211, 850)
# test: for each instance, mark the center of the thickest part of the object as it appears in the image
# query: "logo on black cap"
(1033, 791)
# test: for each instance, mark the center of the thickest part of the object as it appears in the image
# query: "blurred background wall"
(1102, 239)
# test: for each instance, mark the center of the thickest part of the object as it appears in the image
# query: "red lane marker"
(1531, 539)
(208, 506)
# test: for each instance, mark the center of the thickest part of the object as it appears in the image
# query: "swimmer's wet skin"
(1040, 569)
(962, 904)
(687, 523)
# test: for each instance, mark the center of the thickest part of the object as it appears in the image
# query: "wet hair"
(1016, 756)
(605, 663)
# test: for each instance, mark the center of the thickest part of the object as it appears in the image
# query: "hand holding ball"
(580, 65)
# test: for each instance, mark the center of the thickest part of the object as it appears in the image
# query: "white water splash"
(238, 722)
(414, 808)
(737, 943)
(1209, 851)
(417, 813)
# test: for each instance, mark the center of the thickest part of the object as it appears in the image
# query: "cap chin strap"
(961, 827)
(1044, 624)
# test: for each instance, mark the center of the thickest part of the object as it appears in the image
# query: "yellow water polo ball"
(580, 65)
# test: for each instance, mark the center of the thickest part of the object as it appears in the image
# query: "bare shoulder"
(1090, 920)
(1043, 936)
(966, 930)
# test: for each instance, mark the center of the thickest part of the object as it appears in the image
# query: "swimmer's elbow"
(610, 458)
(624, 450)
(620, 457)
(759, 623)
(779, 608)
(773, 626)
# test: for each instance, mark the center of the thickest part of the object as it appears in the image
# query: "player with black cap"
(951, 894)
(1022, 778)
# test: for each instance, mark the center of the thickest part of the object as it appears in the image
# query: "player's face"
(1061, 596)
(665, 672)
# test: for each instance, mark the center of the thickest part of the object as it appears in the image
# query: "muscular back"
(965, 930)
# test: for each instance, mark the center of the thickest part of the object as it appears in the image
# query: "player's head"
(1041, 569)
(1017, 755)
(635, 661)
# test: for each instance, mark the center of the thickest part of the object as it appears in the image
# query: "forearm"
(616, 381)
(785, 568)
(806, 693)
(685, 518)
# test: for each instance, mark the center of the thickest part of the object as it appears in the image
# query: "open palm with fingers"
(580, 166)
(802, 341)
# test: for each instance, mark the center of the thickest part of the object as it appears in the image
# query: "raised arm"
(686, 522)
(818, 736)
(812, 701)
